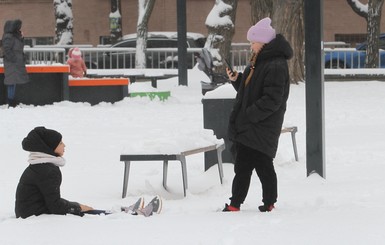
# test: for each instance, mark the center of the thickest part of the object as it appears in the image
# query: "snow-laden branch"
(218, 16)
(358, 7)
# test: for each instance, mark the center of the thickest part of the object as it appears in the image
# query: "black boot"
(12, 103)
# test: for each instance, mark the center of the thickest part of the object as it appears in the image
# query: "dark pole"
(314, 60)
(182, 42)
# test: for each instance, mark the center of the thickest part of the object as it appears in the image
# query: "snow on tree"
(64, 22)
(145, 9)
(220, 25)
(115, 21)
(372, 13)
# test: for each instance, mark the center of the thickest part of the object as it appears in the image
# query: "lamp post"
(315, 127)
(182, 42)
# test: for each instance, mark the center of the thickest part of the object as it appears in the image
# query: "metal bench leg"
(294, 142)
(182, 160)
(220, 167)
(153, 82)
(125, 177)
(165, 169)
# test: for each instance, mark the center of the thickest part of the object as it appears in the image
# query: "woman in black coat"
(14, 64)
(256, 120)
(38, 191)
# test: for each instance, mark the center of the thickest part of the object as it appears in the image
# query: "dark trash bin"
(216, 114)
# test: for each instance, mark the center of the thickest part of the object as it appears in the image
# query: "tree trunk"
(260, 9)
(64, 22)
(220, 25)
(115, 21)
(373, 29)
(372, 13)
(145, 10)
(288, 19)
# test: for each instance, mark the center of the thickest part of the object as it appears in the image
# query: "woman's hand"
(233, 75)
(85, 208)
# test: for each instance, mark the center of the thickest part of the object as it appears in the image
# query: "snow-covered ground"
(344, 208)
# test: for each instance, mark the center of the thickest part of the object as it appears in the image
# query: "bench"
(292, 131)
(135, 74)
(96, 90)
(181, 157)
(48, 84)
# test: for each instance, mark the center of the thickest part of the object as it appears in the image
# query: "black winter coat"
(258, 113)
(38, 191)
(13, 46)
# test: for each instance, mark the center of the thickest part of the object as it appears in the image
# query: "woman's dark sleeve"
(237, 82)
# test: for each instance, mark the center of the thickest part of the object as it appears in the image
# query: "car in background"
(352, 58)
(159, 56)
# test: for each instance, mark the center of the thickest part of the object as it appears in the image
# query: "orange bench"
(47, 84)
(96, 90)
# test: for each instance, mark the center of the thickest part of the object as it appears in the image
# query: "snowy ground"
(344, 208)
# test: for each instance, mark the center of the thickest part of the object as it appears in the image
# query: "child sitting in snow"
(38, 191)
(77, 66)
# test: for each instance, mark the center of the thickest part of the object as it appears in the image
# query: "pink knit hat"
(76, 53)
(262, 32)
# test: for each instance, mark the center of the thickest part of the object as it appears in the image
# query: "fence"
(160, 58)
(117, 58)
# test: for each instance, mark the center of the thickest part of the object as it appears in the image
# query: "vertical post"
(182, 42)
(314, 62)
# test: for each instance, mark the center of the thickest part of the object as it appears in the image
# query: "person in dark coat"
(14, 64)
(38, 191)
(256, 119)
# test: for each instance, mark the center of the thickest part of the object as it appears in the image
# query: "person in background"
(256, 119)
(38, 191)
(75, 61)
(15, 71)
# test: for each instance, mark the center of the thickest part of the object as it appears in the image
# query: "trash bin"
(217, 106)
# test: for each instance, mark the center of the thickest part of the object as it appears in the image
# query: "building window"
(352, 39)
(32, 41)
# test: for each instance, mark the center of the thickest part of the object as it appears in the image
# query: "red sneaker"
(229, 208)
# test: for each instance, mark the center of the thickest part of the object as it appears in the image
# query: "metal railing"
(46, 55)
(349, 58)
(110, 58)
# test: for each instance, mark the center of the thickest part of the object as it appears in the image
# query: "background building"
(91, 21)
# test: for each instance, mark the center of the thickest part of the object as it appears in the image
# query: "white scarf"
(40, 157)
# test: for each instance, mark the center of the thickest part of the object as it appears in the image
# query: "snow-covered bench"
(180, 156)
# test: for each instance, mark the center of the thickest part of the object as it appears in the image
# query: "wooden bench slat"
(198, 150)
